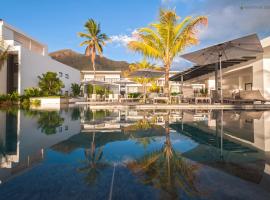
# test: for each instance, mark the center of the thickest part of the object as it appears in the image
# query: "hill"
(81, 62)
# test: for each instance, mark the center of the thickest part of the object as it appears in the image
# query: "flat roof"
(20, 32)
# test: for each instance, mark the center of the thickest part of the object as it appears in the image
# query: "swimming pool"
(79, 153)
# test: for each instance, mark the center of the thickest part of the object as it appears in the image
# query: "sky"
(57, 22)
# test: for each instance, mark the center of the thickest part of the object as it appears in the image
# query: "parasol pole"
(220, 74)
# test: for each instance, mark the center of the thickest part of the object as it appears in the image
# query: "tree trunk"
(166, 86)
(144, 91)
(94, 68)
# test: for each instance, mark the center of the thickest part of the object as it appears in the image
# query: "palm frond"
(145, 49)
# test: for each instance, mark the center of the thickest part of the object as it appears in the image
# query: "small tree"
(76, 89)
(50, 84)
(89, 89)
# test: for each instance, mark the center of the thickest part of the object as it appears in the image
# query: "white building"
(246, 72)
(28, 59)
(115, 76)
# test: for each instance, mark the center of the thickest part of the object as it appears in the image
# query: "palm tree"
(144, 64)
(167, 170)
(95, 40)
(167, 38)
(93, 165)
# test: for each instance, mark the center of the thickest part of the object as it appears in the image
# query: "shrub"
(32, 92)
(50, 84)
(13, 97)
(76, 89)
(89, 89)
(100, 90)
(204, 92)
(134, 95)
(35, 102)
(175, 93)
(154, 88)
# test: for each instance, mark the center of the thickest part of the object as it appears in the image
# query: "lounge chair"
(251, 96)
(150, 97)
(109, 98)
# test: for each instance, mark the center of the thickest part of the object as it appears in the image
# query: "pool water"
(79, 153)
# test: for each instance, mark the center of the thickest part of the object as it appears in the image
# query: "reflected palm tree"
(49, 121)
(167, 170)
(94, 164)
(144, 128)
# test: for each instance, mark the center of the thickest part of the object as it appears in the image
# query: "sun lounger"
(250, 97)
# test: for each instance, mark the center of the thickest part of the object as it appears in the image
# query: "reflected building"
(19, 134)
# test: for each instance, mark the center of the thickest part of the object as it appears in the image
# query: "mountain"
(82, 62)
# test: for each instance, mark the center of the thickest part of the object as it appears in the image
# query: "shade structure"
(247, 46)
(96, 82)
(222, 55)
(124, 82)
(147, 73)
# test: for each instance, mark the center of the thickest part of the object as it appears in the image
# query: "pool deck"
(106, 105)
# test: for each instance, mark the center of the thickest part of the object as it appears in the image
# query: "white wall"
(266, 77)
(32, 65)
(3, 79)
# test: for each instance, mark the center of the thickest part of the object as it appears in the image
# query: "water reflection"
(168, 154)
(166, 169)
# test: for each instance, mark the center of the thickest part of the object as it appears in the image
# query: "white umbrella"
(124, 82)
(230, 51)
(147, 73)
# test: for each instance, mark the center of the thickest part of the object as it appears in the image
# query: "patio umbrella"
(124, 82)
(146, 73)
(230, 51)
(99, 83)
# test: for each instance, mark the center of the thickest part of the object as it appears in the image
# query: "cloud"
(123, 39)
(231, 19)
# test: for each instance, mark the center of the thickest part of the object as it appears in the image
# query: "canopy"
(225, 54)
(147, 73)
(228, 53)
(124, 82)
(96, 82)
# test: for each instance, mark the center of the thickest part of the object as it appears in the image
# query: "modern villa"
(245, 72)
(114, 113)
(116, 76)
(27, 59)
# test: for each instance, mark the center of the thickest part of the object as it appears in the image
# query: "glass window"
(67, 76)
(60, 74)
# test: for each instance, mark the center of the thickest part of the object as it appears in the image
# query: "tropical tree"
(93, 165)
(167, 38)
(3, 53)
(167, 170)
(76, 89)
(50, 84)
(95, 40)
(49, 121)
(144, 64)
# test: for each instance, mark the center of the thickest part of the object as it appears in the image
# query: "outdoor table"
(203, 99)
